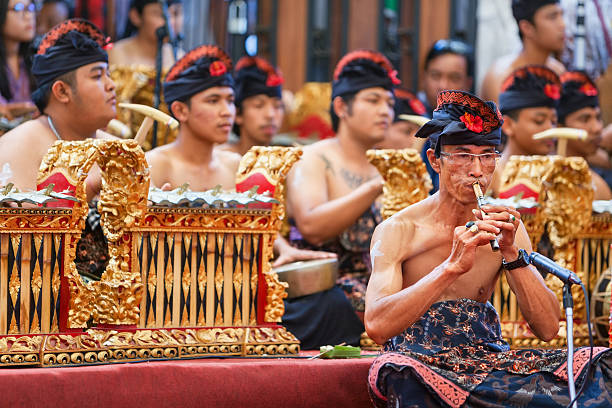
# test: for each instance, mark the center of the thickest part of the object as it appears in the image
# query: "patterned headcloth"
(525, 9)
(201, 68)
(529, 87)
(66, 47)
(462, 118)
(406, 103)
(578, 91)
(256, 76)
(363, 69)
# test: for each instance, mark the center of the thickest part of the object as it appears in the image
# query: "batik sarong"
(455, 356)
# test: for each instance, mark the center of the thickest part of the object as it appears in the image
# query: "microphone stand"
(568, 305)
(161, 33)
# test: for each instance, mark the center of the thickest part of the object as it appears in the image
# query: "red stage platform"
(240, 382)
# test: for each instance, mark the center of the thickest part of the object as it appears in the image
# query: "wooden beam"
(291, 42)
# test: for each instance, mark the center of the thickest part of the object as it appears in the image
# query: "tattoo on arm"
(328, 165)
(353, 180)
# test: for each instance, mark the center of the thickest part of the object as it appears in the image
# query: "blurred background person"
(449, 64)
(542, 32)
(51, 13)
(17, 18)
(579, 108)
(401, 132)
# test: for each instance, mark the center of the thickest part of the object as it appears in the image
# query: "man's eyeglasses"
(487, 160)
(22, 8)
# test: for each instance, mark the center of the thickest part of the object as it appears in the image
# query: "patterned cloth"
(92, 250)
(353, 250)
(455, 356)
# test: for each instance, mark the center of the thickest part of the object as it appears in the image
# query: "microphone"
(547, 265)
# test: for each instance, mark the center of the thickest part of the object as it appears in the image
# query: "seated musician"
(579, 108)
(259, 104)
(402, 131)
(331, 191)
(434, 272)
(529, 98)
(74, 93)
(77, 98)
(199, 91)
(259, 116)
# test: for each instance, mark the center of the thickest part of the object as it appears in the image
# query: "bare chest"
(478, 283)
(201, 178)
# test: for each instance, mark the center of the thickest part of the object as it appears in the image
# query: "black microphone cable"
(589, 364)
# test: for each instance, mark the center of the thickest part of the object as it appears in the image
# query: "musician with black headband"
(434, 271)
(528, 101)
(331, 197)
(259, 104)
(199, 91)
(542, 30)
(579, 109)
(402, 131)
(74, 94)
(259, 116)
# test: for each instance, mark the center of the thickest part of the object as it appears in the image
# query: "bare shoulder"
(228, 158)
(320, 153)
(497, 72)
(32, 134)
(600, 187)
(160, 156)
(120, 50)
(395, 234)
(555, 65)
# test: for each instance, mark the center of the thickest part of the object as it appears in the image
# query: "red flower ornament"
(552, 91)
(417, 106)
(274, 80)
(394, 79)
(217, 68)
(588, 90)
(472, 122)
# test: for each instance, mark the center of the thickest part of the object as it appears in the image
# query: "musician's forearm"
(538, 304)
(330, 219)
(390, 315)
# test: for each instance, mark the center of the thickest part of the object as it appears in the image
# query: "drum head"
(308, 277)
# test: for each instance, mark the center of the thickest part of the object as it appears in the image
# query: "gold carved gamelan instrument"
(182, 281)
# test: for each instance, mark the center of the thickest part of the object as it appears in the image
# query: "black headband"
(578, 92)
(252, 80)
(462, 118)
(73, 50)
(205, 73)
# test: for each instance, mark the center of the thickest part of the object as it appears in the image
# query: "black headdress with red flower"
(256, 76)
(460, 119)
(201, 68)
(363, 69)
(529, 87)
(578, 91)
(406, 103)
(66, 47)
